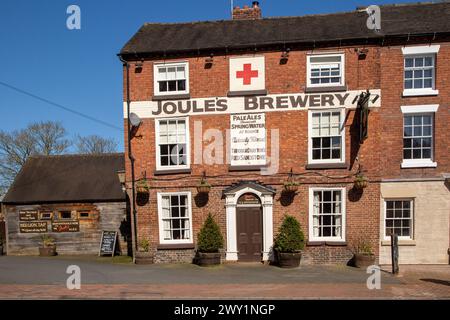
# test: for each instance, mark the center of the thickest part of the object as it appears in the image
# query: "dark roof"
(68, 178)
(405, 19)
(253, 184)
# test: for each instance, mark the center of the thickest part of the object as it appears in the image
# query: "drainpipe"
(132, 160)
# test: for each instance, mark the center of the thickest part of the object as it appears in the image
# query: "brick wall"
(380, 155)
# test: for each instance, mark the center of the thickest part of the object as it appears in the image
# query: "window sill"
(337, 243)
(246, 168)
(326, 89)
(400, 243)
(171, 171)
(247, 93)
(418, 164)
(171, 97)
(426, 92)
(175, 246)
(310, 166)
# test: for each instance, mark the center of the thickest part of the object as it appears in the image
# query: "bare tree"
(95, 144)
(42, 138)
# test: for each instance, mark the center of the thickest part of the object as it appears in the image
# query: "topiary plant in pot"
(210, 241)
(48, 247)
(363, 253)
(289, 243)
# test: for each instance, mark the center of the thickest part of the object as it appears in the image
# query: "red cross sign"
(247, 74)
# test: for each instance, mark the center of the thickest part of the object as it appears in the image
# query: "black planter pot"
(1, 250)
(289, 259)
(205, 259)
(47, 251)
(364, 260)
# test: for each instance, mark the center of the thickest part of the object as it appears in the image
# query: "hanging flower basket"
(203, 187)
(361, 182)
(290, 187)
(142, 187)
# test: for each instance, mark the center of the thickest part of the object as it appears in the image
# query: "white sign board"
(248, 139)
(247, 73)
(248, 104)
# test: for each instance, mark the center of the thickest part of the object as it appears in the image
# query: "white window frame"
(343, 214)
(170, 64)
(188, 145)
(420, 51)
(429, 109)
(310, 136)
(308, 70)
(412, 226)
(160, 218)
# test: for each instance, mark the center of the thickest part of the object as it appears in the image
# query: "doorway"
(249, 225)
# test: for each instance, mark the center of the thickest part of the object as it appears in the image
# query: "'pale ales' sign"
(248, 139)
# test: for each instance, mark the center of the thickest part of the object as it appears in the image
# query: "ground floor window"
(327, 214)
(398, 218)
(175, 217)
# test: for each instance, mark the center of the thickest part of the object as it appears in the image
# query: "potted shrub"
(142, 186)
(289, 243)
(210, 240)
(363, 253)
(48, 248)
(143, 255)
(361, 182)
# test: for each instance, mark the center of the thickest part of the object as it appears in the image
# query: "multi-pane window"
(172, 143)
(326, 136)
(328, 214)
(325, 70)
(419, 72)
(171, 78)
(417, 136)
(175, 218)
(399, 218)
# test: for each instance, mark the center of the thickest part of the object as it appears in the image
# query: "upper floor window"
(172, 143)
(171, 78)
(326, 137)
(325, 70)
(420, 70)
(418, 136)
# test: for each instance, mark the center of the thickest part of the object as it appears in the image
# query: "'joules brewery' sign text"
(236, 105)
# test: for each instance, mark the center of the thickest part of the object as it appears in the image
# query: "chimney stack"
(247, 13)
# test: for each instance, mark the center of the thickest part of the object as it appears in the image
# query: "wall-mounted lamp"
(138, 66)
(209, 61)
(362, 53)
(121, 175)
(285, 56)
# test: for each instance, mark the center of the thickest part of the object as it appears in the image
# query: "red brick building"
(252, 103)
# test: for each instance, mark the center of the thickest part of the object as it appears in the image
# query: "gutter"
(132, 160)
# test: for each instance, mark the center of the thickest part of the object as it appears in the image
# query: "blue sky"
(79, 69)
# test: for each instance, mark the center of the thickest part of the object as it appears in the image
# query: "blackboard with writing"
(108, 243)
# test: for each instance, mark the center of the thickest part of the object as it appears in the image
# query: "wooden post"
(394, 253)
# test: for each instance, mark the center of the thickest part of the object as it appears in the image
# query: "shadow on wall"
(125, 228)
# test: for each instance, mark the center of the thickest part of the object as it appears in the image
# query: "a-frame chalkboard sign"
(108, 243)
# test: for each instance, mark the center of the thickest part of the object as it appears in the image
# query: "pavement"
(45, 278)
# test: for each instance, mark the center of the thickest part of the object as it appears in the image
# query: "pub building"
(354, 119)
(71, 198)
